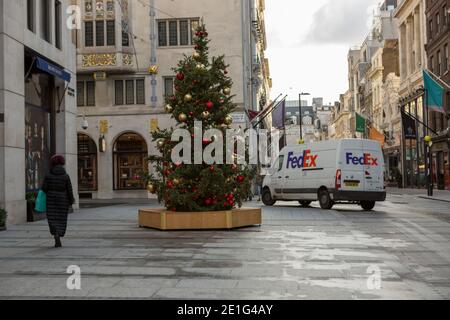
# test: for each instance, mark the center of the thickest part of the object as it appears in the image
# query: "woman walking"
(58, 188)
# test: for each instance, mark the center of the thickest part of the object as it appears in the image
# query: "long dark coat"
(58, 187)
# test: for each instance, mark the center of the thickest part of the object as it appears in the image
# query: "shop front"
(87, 166)
(45, 85)
(441, 165)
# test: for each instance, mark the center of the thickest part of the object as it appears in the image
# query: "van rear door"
(373, 166)
(352, 169)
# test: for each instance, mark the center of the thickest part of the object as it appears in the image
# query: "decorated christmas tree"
(202, 93)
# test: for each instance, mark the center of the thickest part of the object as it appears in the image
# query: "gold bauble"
(206, 115)
(182, 117)
(187, 98)
(169, 108)
(201, 66)
(196, 55)
(176, 181)
(228, 120)
(160, 143)
(151, 188)
(227, 91)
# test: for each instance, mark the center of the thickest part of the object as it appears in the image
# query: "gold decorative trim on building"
(127, 60)
(99, 60)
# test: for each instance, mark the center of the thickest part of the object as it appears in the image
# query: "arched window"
(87, 163)
(130, 162)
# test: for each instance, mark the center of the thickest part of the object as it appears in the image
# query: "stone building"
(125, 54)
(384, 77)
(410, 15)
(37, 98)
(437, 48)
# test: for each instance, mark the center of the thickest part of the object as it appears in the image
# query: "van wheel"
(325, 201)
(267, 198)
(368, 205)
(305, 203)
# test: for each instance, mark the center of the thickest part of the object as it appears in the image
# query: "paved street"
(297, 254)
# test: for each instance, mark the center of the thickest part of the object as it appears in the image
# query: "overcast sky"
(308, 42)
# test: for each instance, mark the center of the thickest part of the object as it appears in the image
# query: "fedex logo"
(365, 160)
(307, 160)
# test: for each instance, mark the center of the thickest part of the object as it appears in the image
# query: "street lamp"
(300, 114)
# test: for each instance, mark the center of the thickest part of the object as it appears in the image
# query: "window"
(88, 34)
(129, 86)
(446, 61)
(439, 63)
(125, 39)
(168, 86)
(45, 20)
(58, 23)
(140, 91)
(445, 13)
(432, 63)
(130, 91)
(184, 32)
(110, 33)
(87, 163)
(176, 32)
(86, 93)
(80, 93)
(438, 22)
(173, 33)
(430, 29)
(100, 33)
(90, 93)
(119, 92)
(30, 15)
(162, 34)
(130, 154)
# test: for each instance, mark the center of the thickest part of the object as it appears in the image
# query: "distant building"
(315, 120)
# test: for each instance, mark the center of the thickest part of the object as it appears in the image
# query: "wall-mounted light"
(84, 123)
(102, 144)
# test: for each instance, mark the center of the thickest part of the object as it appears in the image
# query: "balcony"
(108, 61)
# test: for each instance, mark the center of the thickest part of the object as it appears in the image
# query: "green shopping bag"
(41, 202)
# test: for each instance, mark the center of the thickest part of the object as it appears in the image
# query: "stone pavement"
(297, 254)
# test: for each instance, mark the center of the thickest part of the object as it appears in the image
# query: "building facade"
(410, 16)
(37, 98)
(437, 48)
(385, 116)
(125, 54)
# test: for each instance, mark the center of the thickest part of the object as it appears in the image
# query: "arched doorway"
(130, 162)
(87, 164)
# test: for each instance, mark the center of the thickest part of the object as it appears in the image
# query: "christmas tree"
(202, 93)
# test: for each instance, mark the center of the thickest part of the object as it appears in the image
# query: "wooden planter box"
(162, 219)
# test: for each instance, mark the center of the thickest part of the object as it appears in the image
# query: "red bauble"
(212, 169)
(206, 142)
(191, 114)
(169, 184)
(209, 105)
(173, 98)
(180, 76)
(177, 88)
(208, 202)
(240, 179)
(225, 72)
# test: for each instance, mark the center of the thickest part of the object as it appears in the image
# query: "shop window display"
(130, 162)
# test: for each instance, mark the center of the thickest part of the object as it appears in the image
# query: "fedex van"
(344, 171)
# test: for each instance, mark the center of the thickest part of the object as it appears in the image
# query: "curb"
(435, 199)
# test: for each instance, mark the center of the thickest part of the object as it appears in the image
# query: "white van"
(344, 171)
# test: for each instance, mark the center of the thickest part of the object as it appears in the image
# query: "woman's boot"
(58, 242)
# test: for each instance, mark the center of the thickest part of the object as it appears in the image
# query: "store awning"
(52, 69)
